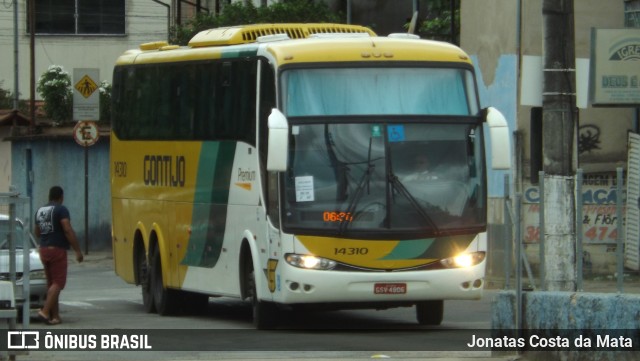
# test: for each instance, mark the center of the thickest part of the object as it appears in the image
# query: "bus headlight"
(464, 260)
(309, 262)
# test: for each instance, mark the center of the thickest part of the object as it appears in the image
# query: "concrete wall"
(61, 162)
(571, 316)
(611, 124)
(492, 47)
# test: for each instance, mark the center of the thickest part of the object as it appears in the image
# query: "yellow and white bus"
(280, 164)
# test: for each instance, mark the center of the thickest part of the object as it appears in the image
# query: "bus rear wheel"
(144, 278)
(430, 313)
(164, 299)
(265, 314)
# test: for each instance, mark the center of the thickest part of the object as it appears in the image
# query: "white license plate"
(390, 288)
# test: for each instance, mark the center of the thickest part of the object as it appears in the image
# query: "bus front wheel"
(265, 314)
(430, 312)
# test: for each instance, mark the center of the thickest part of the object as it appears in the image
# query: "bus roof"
(363, 49)
(298, 43)
(243, 34)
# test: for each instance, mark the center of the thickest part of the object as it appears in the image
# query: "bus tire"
(265, 314)
(430, 313)
(164, 299)
(144, 278)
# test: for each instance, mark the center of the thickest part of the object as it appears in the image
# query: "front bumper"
(301, 286)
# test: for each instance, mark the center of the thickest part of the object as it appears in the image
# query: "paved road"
(97, 302)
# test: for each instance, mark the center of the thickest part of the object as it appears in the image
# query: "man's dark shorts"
(54, 260)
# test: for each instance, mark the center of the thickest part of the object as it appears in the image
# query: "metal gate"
(632, 228)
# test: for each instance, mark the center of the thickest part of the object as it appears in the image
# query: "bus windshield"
(414, 169)
(368, 91)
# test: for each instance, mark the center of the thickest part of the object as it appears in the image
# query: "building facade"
(72, 34)
(508, 51)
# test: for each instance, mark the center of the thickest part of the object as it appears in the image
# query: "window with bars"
(632, 14)
(80, 17)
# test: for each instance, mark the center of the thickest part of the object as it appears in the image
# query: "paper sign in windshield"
(304, 189)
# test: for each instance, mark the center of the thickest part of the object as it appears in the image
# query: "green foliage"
(240, 13)
(55, 89)
(299, 11)
(437, 25)
(6, 101)
(105, 101)
(181, 34)
(6, 98)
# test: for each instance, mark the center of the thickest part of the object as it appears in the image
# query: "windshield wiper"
(365, 180)
(397, 184)
(340, 168)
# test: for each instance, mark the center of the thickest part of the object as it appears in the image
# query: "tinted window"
(93, 16)
(186, 101)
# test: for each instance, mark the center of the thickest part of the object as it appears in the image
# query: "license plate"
(389, 288)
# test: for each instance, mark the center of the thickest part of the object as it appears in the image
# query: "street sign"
(615, 75)
(86, 86)
(86, 94)
(85, 133)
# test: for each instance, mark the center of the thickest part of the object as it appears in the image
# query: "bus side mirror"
(278, 147)
(500, 139)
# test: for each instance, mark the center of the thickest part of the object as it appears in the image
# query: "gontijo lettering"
(164, 170)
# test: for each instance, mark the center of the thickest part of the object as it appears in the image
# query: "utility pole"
(16, 59)
(32, 62)
(559, 120)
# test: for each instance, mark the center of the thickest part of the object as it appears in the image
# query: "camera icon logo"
(23, 340)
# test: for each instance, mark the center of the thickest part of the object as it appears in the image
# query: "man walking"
(53, 227)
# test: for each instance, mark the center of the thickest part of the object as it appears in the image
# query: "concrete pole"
(16, 45)
(559, 164)
(32, 62)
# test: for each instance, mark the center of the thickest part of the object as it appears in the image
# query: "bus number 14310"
(351, 251)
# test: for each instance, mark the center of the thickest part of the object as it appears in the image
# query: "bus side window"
(149, 93)
(236, 101)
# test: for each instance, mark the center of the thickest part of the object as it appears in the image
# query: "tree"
(6, 101)
(55, 89)
(239, 13)
(6, 98)
(437, 24)
(105, 101)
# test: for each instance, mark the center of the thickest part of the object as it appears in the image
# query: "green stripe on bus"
(430, 248)
(210, 204)
(409, 249)
(239, 53)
